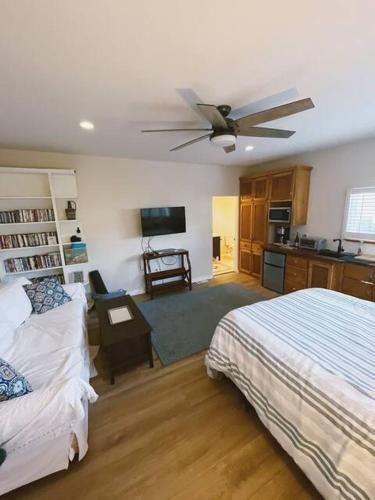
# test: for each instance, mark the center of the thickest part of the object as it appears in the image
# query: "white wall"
(335, 170)
(111, 192)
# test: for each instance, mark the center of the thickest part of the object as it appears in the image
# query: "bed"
(306, 363)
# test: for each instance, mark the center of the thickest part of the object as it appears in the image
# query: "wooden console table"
(182, 271)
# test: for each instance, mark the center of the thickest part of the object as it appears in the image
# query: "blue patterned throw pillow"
(12, 383)
(46, 294)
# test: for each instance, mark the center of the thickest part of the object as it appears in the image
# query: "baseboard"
(198, 279)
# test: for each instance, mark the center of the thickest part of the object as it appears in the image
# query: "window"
(359, 218)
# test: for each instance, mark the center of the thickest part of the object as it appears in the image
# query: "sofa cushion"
(46, 295)
(15, 307)
(12, 383)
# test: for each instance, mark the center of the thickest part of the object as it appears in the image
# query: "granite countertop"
(313, 254)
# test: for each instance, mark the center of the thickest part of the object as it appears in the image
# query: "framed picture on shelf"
(75, 255)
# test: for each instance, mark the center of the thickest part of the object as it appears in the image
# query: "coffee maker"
(282, 234)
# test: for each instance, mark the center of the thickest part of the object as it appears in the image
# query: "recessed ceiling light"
(86, 125)
(249, 148)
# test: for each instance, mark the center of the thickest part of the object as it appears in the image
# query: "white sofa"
(43, 430)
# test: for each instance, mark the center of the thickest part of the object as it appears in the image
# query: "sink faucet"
(340, 248)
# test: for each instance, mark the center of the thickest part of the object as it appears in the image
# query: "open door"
(224, 234)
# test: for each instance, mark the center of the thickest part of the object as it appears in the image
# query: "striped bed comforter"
(306, 362)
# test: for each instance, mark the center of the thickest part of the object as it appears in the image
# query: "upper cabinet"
(246, 190)
(300, 199)
(282, 186)
(290, 186)
(261, 188)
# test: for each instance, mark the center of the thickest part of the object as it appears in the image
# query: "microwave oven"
(279, 214)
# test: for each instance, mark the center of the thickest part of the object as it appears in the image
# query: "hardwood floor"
(173, 433)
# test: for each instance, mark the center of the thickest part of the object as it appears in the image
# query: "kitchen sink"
(336, 255)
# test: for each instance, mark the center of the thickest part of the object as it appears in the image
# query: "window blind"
(359, 220)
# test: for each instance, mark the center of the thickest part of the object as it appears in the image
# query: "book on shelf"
(9, 241)
(27, 215)
(32, 263)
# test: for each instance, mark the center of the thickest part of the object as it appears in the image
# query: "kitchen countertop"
(313, 254)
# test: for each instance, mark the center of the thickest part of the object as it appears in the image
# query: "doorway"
(224, 234)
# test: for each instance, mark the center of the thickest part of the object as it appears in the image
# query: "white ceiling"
(119, 63)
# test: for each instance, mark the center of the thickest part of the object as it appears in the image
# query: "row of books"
(28, 240)
(27, 215)
(32, 263)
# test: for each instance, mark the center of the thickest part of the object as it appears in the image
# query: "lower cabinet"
(359, 281)
(295, 273)
(321, 274)
(256, 260)
(244, 264)
(303, 272)
(251, 259)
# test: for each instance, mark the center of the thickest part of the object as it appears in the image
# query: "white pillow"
(15, 306)
(6, 337)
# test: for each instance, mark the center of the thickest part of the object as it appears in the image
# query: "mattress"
(306, 362)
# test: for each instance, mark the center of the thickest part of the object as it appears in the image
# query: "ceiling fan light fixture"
(223, 140)
(86, 125)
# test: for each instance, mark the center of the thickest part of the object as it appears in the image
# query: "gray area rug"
(184, 323)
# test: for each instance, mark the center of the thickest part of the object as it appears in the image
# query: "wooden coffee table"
(127, 343)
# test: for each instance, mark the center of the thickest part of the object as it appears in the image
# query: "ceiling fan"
(224, 130)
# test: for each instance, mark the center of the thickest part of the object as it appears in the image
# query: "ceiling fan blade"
(190, 142)
(264, 103)
(213, 115)
(275, 113)
(178, 130)
(276, 133)
(230, 149)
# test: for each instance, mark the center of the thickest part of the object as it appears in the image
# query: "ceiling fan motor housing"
(224, 109)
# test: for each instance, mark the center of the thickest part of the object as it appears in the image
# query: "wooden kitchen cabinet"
(244, 263)
(260, 188)
(321, 274)
(295, 273)
(246, 190)
(256, 260)
(245, 221)
(258, 236)
(359, 281)
(259, 222)
(282, 186)
(256, 194)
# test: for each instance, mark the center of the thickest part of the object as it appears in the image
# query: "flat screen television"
(163, 220)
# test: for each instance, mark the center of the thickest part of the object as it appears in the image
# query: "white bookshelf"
(24, 188)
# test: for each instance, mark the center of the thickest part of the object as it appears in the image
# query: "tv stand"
(183, 272)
